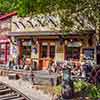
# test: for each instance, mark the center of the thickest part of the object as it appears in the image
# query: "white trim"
(44, 43)
(52, 44)
(74, 44)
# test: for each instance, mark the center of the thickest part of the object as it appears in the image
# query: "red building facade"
(5, 27)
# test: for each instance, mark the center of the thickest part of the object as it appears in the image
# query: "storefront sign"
(74, 44)
(60, 49)
(26, 43)
(59, 57)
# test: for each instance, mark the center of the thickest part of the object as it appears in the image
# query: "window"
(2, 52)
(52, 51)
(73, 52)
(26, 51)
(44, 51)
(88, 53)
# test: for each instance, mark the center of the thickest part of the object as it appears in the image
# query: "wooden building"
(41, 39)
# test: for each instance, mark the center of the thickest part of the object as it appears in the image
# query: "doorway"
(47, 52)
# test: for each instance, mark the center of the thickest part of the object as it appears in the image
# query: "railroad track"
(9, 93)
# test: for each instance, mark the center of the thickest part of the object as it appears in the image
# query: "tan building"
(41, 39)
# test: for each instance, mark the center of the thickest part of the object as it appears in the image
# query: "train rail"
(9, 93)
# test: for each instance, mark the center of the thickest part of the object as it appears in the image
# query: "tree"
(76, 15)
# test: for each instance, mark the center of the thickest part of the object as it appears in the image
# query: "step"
(12, 76)
(5, 91)
(7, 95)
(20, 98)
(11, 97)
(3, 88)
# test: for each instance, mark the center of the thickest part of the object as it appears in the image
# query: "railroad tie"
(9, 93)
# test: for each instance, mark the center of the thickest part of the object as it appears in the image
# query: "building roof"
(8, 15)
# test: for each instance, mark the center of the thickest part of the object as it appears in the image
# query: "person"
(28, 64)
(51, 69)
(87, 68)
(77, 69)
(68, 86)
(32, 77)
(9, 64)
(50, 66)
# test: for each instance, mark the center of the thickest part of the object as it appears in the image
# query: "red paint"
(6, 54)
(8, 15)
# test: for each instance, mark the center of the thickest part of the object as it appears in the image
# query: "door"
(47, 52)
(25, 50)
(25, 53)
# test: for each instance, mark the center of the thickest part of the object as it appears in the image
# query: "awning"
(4, 39)
(35, 33)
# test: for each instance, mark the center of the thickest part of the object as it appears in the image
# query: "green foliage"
(57, 90)
(9, 5)
(91, 90)
(94, 92)
(79, 86)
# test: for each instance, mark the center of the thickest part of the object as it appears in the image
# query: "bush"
(94, 92)
(58, 90)
(79, 85)
(89, 89)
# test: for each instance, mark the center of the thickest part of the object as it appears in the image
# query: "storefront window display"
(4, 53)
(26, 48)
(72, 52)
(52, 51)
(88, 53)
(26, 51)
(44, 51)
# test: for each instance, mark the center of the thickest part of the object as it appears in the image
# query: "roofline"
(8, 15)
(34, 33)
(49, 33)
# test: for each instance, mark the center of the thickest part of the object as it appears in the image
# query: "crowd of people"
(85, 69)
(26, 63)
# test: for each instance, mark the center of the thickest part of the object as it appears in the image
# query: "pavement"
(26, 88)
